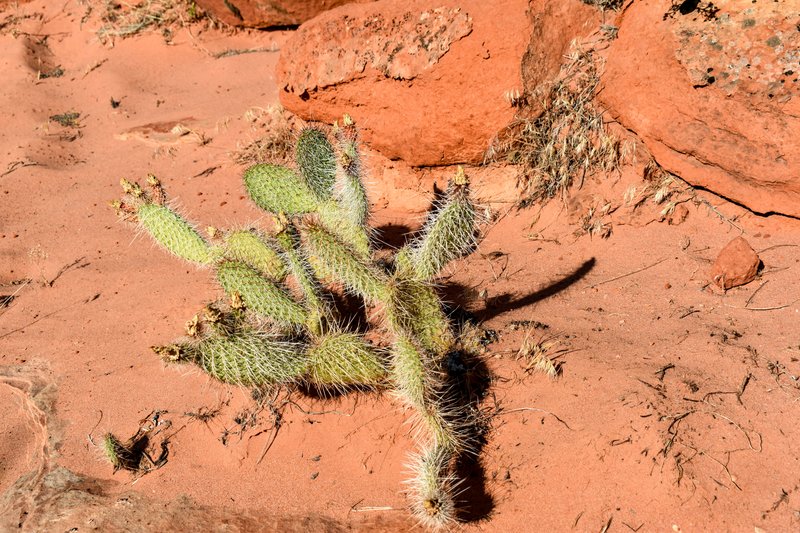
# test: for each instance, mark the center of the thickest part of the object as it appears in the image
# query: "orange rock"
(678, 215)
(555, 25)
(253, 14)
(425, 80)
(737, 264)
(716, 102)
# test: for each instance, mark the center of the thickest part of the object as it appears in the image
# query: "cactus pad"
(247, 358)
(341, 359)
(248, 247)
(278, 189)
(259, 294)
(316, 161)
(173, 232)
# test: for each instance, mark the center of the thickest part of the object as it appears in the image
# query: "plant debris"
(68, 120)
(567, 140)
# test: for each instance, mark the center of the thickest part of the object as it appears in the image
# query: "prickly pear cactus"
(281, 325)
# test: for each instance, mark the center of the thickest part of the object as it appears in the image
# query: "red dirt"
(675, 410)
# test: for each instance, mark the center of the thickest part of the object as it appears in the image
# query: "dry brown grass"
(664, 188)
(568, 140)
(122, 19)
(604, 5)
(539, 355)
(276, 144)
(660, 187)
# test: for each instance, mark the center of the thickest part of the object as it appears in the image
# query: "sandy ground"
(675, 409)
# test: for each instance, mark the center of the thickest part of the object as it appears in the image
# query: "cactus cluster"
(281, 324)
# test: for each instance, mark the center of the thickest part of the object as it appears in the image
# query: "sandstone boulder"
(714, 96)
(553, 27)
(427, 81)
(254, 14)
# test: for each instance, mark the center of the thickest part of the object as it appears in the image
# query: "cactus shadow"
(505, 302)
(476, 504)
(392, 236)
(469, 382)
(352, 307)
(328, 394)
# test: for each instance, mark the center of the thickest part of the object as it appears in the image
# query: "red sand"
(612, 441)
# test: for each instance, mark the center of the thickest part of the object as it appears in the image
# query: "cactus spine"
(321, 242)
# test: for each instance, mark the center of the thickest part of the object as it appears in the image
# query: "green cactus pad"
(278, 189)
(418, 383)
(316, 161)
(320, 311)
(114, 450)
(172, 231)
(336, 220)
(408, 372)
(248, 358)
(335, 261)
(352, 196)
(449, 232)
(351, 193)
(414, 308)
(259, 294)
(342, 359)
(248, 247)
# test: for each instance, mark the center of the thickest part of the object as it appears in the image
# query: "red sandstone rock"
(716, 102)
(254, 14)
(424, 80)
(737, 264)
(554, 26)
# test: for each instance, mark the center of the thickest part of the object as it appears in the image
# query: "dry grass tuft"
(568, 140)
(538, 355)
(605, 5)
(662, 187)
(277, 145)
(594, 222)
(121, 19)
